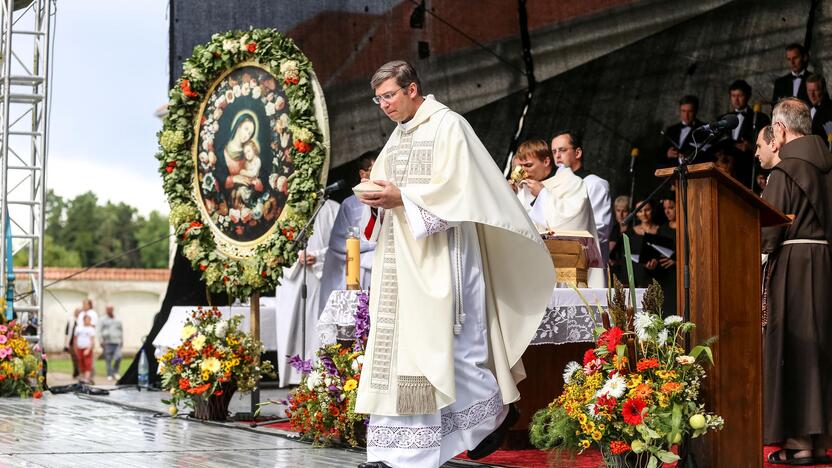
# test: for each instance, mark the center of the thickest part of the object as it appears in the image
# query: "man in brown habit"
(797, 362)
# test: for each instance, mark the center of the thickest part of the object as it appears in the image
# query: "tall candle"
(353, 258)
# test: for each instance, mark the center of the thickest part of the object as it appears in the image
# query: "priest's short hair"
(402, 71)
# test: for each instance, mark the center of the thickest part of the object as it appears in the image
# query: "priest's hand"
(667, 262)
(306, 259)
(651, 264)
(534, 186)
(389, 197)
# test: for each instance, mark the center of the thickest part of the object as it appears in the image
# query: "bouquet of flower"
(635, 395)
(20, 368)
(215, 358)
(323, 406)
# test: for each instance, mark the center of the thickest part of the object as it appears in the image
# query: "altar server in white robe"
(335, 263)
(460, 283)
(556, 199)
(289, 303)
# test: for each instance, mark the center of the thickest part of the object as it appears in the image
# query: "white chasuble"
(290, 337)
(443, 169)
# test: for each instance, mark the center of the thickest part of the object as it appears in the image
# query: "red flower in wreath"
(589, 356)
(170, 167)
(251, 47)
(302, 146)
(632, 411)
(186, 89)
(37, 394)
(291, 80)
(611, 338)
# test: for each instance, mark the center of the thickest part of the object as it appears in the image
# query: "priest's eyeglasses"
(386, 97)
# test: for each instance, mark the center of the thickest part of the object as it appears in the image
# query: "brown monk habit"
(797, 360)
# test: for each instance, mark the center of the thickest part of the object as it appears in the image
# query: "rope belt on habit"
(805, 241)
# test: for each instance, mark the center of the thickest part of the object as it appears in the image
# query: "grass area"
(62, 364)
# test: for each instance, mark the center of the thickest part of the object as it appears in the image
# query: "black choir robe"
(784, 87)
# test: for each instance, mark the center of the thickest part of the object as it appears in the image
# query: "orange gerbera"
(641, 391)
(199, 389)
(671, 387)
(645, 364)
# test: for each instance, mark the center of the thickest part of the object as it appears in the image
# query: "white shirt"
(84, 336)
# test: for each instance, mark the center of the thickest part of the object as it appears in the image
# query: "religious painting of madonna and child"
(242, 154)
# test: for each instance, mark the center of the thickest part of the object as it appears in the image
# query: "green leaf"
(653, 463)
(620, 350)
(667, 457)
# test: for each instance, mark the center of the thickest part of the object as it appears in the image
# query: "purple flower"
(304, 367)
(176, 361)
(328, 364)
(362, 321)
(334, 389)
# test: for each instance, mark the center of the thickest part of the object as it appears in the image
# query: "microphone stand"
(302, 239)
(686, 457)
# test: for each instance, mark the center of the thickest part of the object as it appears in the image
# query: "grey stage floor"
(132, 429)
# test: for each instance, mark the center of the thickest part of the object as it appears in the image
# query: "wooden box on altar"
(570, 260)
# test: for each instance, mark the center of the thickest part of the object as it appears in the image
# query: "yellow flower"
(634, 381)
(188, 331)
(211, 364)
(596, 436)
(206, 375)
(585, 444)
(350, 385)
(582, 418)
(665, 375)
(198, 342)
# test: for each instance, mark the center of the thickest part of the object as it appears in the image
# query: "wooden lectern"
(725, 301)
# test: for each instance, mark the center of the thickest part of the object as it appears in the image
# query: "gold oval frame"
(227, 246)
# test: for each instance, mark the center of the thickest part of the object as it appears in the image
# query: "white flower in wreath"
(569, 371)
(229, 96)
(357, 363)
(217, 112)
(256, 92)
(245, 89)
(221, 328)
(215, 127)
(208, 182)
(280, 103)
(230, 45)
(205, 145)
(237, 90)
(245, 214)
(244, 41)
(284, 139)
(313, 380)
(282, 123)
(191, 250)
(270, 108)
(257, 212)
(234, 215)
(273, 181)
(270, 97)
(289, 69)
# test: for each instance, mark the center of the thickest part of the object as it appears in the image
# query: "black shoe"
(376, 464)
(493, 441)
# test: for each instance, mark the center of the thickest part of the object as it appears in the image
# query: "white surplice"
(289, 303)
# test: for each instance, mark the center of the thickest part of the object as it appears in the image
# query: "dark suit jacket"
(672, 134)
(823, 115)
(744, 162)
(783, 87)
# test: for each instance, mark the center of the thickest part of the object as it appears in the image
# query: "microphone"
(633, 156)
(333, 187)
(757, 109)
(729, 122)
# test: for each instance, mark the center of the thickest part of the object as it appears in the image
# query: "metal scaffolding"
(24, 85)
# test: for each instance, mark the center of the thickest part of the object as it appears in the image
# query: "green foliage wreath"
(260, 271)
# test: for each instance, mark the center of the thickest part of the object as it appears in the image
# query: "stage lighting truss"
(24, 98)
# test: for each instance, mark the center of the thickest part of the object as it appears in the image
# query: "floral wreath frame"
(258, 267)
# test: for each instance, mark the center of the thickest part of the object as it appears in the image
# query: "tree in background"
(81, 233)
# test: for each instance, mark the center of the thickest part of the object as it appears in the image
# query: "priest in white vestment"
(288, 301)
(335, 264)
(461, 280)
